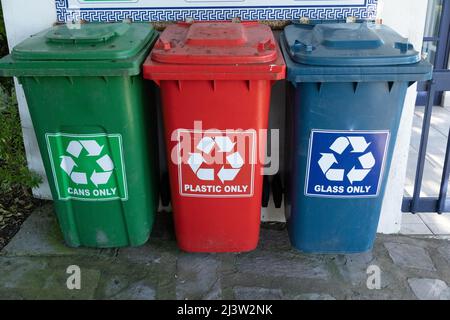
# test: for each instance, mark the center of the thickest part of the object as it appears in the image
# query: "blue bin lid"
(348, 44)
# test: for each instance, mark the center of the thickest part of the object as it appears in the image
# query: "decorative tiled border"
(366, 11)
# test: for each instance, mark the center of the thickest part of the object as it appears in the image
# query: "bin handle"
(266, 45)
(163, 44)
(301, 46)
(87, 34)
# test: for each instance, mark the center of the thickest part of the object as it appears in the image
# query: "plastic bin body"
(94, 125)
(207, 86)
(344, 110)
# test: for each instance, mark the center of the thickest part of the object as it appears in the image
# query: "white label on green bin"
(346, 164)
(88, 167)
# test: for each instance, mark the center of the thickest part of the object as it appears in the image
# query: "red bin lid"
(216, 43)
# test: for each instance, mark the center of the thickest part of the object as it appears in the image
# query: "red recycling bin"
(215, 80)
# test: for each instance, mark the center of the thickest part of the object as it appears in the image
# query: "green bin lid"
(348, 44)
(89, 49)
(89, 42)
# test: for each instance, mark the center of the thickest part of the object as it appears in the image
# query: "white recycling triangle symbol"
(68, 164)
(224, 145)
(359, 146)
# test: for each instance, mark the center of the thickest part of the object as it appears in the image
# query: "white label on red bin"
(216, 164)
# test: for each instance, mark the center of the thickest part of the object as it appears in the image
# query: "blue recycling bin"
(348, 83)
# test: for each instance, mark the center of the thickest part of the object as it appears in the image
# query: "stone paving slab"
(197, 277)
(40, 278)
(34, 266)
(410, 256)
(430, 289)
(40, 235)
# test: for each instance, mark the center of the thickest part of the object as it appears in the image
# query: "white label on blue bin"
(346, 164)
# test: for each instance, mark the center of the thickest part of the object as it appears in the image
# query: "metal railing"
(441, 204)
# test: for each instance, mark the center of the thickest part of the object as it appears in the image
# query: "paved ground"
(34, 265)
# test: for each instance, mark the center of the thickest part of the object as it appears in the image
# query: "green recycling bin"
(94, 125)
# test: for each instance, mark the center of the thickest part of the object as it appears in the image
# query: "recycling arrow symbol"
(93, 150)
(358, 145)
(224, 145)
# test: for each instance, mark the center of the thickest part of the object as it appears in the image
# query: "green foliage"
(13, 165)
(14, 172)
(3, 43)
(2, 27)
(5, 82)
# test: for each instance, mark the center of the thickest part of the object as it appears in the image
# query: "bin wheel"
(277, 189)
(266, 192)
(165, 189)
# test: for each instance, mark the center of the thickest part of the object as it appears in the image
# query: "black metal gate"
(437, 34)
(441, 204)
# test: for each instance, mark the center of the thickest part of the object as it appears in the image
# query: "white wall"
(24, 18)
(408, 18)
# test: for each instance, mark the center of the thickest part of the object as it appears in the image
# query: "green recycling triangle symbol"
(93, 153)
